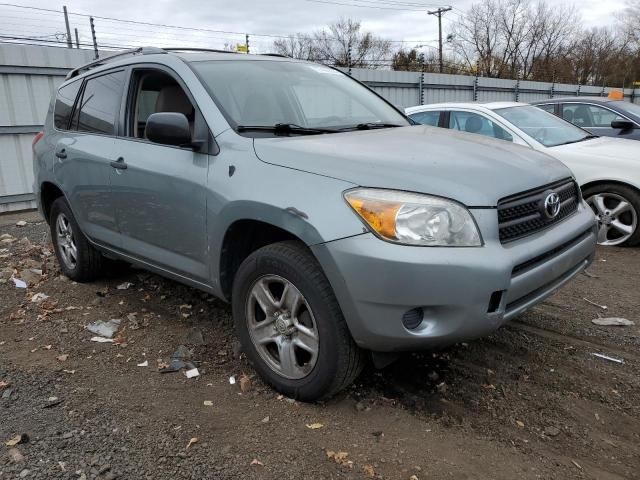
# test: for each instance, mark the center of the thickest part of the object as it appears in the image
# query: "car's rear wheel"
(78, 259)
(290, 324)
(617, 208)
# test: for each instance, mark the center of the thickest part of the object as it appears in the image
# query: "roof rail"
(189, 49)
(101, 61)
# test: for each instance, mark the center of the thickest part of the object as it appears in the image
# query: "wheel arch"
(621, 183)
(49, 193)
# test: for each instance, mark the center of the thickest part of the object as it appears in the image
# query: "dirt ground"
(528, 402)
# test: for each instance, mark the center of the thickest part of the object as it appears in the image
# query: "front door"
(160, 189)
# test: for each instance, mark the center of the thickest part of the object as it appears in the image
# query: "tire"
(89, 262)
(604, 200)
(338, 360)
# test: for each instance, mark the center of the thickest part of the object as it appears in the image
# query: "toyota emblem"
(552, 205)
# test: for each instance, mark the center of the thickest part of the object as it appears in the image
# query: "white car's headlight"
(414, 219)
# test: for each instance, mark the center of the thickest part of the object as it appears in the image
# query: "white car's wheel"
(617, 208)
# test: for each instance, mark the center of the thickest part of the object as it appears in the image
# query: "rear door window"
(549, 107)
(426, 118)
(64, 104)
(101, 103)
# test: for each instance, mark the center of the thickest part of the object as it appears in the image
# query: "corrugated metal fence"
(30, 74)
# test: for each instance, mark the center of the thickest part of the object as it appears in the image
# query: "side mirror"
(622, 125)
(168, 128)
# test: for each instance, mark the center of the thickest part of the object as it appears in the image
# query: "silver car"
(333, 226)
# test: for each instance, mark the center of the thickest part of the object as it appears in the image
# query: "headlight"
(414, 219)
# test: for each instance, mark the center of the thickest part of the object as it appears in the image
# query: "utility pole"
(77, 38)
(246, 41)
(93, 36)
(439, 13)
(66, 22)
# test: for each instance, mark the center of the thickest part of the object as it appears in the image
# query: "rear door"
(84, 151)
(161, 189)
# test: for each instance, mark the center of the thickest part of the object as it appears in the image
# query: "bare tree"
(298, 46)
(342, 44)
(510, 38)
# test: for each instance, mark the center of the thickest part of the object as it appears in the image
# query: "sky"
(404, 21)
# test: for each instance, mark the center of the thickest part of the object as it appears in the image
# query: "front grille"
(523, 214)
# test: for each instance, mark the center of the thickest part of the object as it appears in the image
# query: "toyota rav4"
(332, 225)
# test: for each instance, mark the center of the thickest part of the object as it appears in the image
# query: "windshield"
(542, 126)
(267, 93)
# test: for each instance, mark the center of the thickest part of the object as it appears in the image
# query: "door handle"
(62, 153)
(119, 164)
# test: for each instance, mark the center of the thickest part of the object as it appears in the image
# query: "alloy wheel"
(282, 327)
(66, 242)
(617, 218)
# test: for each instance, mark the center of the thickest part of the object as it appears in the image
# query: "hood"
(601, 148)
(474, 170)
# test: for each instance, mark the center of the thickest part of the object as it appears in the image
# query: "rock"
(181, 353)
(67, 436)
(24, 473)
(236, 348)
(266, 419)
(360, 407)
(433, 376)
(15, 455)
(195, 337)
(552, 431)
(441, 387)
(25, 243)
(6, 395)
(29, 276)
(21, 223)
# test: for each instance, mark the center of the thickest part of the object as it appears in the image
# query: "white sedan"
(607, 169)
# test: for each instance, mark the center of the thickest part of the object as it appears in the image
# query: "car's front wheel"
(290, 324)
(617, 208)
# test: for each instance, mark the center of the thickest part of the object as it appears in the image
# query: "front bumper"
(377, 282)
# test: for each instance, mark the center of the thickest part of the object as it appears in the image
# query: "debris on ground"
(144, 364)
(3, 385)
(39, 297)
(340, 458)
(520, 424)
(105, 329)
(195, 337)
(552, 431)
(369, 471)
(15, 455)
(17, 440)
(192, 441)
(266, 419)
(603, 307)
(125, 286)
(232, 380)
(314, 426)
(179, 361)
(257, 463)
(589, 274)
(21, 223)
(612, 322)
(245, 383)
(208, 403)
(52, 402)
(19, 283)
(62, 358)
(607, 357)
(101, 340)
(192, 373)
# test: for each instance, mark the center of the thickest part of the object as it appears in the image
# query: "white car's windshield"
(544, 127)
(263, 93)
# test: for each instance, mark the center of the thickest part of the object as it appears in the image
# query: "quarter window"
(426, 118)
(100, 103)
(64, 104)
(589, 115)
(549, 107)
(475, 123)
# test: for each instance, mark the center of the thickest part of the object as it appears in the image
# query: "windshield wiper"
(586, 137)
(372, 125)
(284, 128)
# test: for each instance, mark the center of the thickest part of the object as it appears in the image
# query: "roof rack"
(189, 49)
(101, 61)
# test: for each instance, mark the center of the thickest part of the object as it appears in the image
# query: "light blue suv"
(332, 225)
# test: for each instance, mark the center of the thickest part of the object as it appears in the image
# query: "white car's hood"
(603, 159)
(602, 147)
